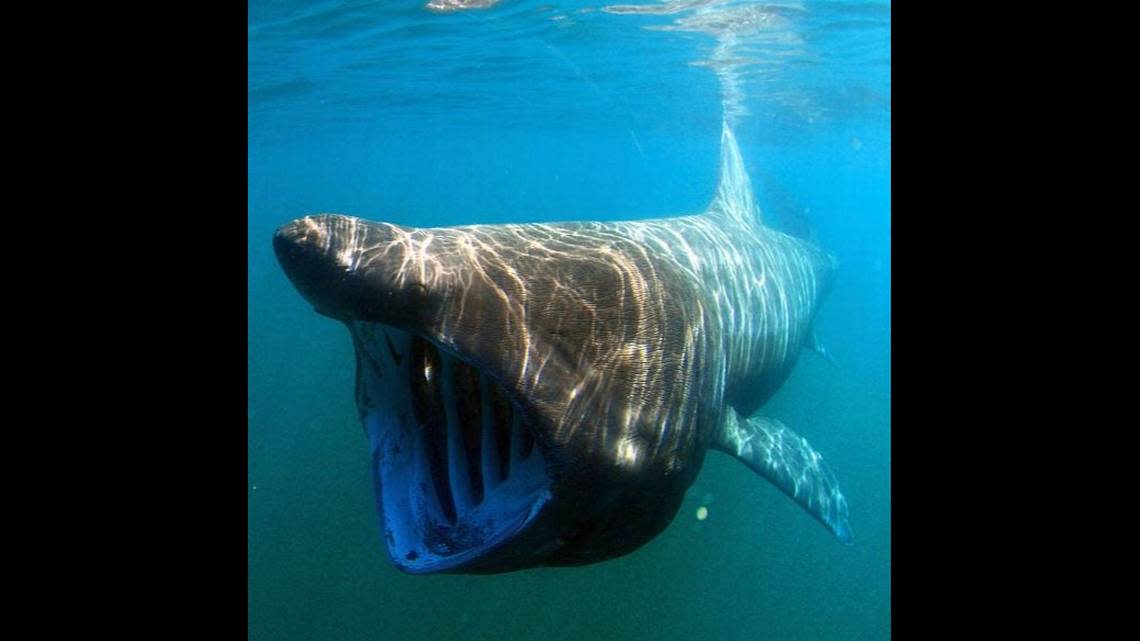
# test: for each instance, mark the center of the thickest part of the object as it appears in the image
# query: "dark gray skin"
(630, 349)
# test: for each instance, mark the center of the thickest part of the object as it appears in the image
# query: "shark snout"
(351, 269)
(316, 256)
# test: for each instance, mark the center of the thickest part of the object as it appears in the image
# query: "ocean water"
(542, 111)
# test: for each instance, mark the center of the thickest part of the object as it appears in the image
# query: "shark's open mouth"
(456, 469)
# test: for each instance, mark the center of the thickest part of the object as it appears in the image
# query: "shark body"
(544, 394)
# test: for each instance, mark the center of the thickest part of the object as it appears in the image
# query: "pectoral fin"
(814, 344)
(786, 460)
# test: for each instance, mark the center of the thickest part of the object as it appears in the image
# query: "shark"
(544, 394)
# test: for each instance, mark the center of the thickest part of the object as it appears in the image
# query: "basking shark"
(544, 394)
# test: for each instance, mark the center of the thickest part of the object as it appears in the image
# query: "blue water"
(533, 111)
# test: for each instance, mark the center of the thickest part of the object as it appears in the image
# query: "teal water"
(532, 111)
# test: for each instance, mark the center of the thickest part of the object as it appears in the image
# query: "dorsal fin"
(734, 193)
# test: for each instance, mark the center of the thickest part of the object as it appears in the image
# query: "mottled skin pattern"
(631, 346)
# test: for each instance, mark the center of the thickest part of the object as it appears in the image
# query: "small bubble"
(702, 513)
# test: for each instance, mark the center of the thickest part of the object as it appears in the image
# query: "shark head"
(527, 395)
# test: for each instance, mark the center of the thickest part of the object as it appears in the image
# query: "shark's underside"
(543, 394)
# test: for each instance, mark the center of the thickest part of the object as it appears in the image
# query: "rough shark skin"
(627, 349)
